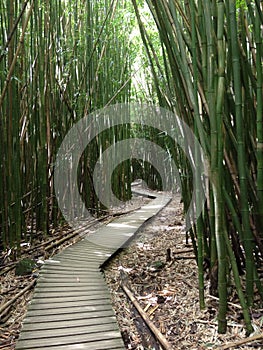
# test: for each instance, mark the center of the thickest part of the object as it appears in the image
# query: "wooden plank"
(61, 332)
(72, 261)
(99, 252)
(87, 246)
(71, 292)
(45, 299)
(89, 265)
(111, 344)
(59, 304)
(75, 284)
(49, 288)
(69, 310)
(83, 255)
(76, 266)
(63, 273)
(70, 277)
(69, 340)
(71, 269)
(66, 317)
(40, 293)
(86, 259)
(30, 327)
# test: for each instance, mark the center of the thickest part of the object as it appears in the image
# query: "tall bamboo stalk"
(259, 108)
(59, 61)
(241, 152)
(217, 172)
(213, 54)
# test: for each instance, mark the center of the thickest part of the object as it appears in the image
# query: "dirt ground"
(159, 269)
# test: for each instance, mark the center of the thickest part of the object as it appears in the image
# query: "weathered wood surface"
(71, 306)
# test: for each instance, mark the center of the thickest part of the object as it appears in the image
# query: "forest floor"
(160, 270)
(168, 291)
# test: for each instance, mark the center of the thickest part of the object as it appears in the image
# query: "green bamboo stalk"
(222, 113)
(148, 50)
(238, 285)
(248, 240)
(54, 61)
(14, 60)
(259, 110)
(13, 30)
(217, 171)
(199, 226)
(9, 89)
(3, 190)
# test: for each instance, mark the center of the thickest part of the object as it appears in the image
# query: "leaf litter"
(160, 269)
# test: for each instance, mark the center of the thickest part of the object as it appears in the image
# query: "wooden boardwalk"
(71, 306)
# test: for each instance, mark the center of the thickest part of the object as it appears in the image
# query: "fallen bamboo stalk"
(74, 233)
(241, 342)
(125, 212)
(4, 316)
(10, 302)
(7, 269)
(182, 251)
(163, 341)
(56, 243)
(82, 229)
(49, 243)
(216, 323)
(229, 302)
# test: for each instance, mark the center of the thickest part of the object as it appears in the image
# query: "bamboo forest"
(199, 61)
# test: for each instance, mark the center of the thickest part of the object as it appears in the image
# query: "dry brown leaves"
(168, 291)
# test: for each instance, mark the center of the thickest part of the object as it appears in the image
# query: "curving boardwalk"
(71, 306)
